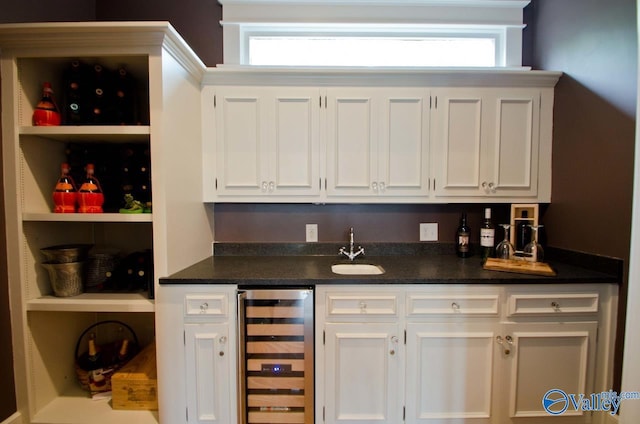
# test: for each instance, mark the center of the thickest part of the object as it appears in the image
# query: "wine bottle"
(90, 196)
(523, 231)
(46, 112)
(95, 366)
(75, 94)
(487, 236)
(124, 352)
(463, 248)
(65, 192)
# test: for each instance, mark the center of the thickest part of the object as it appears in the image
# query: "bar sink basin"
(357, 269)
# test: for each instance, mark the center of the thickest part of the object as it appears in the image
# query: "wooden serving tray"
(519, 266)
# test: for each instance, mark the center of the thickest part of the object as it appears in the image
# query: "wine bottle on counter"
(463, 235)
(487, 236)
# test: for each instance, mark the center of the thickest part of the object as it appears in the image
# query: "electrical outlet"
(429, 231)
(312, 232)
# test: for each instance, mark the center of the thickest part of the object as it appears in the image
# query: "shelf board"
(123, 133)
(94, 302)
(87, 217)
(76, 407)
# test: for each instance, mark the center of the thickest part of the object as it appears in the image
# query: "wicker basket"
(108, 338)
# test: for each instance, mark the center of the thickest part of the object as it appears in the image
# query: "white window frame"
(498, 19)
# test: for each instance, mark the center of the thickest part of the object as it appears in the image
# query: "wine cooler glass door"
(276, 356)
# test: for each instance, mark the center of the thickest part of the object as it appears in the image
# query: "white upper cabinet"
(374, 136)
(267, 141)
(486, 142)
(377, 142)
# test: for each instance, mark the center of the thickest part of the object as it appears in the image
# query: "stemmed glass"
(504, 249)
(533, 250)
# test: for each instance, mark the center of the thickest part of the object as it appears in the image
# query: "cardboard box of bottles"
(135, 386)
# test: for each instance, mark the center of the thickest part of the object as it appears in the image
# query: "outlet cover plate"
(429, 231)
(311, 233)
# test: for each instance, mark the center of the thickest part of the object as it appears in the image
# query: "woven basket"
(108, 337)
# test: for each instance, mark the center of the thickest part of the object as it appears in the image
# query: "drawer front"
(428, 304)
(206, 305)
(552, 304)
(355, 304)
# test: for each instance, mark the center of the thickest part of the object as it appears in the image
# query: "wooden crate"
(135, 386)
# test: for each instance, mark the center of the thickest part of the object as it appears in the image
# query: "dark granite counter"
(258, 265)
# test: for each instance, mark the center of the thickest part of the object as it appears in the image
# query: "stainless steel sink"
(357, 269)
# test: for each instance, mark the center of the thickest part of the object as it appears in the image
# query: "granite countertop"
(255, 266)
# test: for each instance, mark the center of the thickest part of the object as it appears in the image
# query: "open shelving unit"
(45, 327)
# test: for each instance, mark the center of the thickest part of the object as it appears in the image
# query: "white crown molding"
(122, 36)
(395, 77)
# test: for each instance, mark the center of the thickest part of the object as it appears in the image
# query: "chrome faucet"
(351, 254)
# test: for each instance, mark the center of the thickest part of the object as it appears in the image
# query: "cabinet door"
(486, 142)
(267, 141)
(294, 142)
(403, 143)
(208, 361)
(450, 372)
(363, 373)
(241, 141)
(352, 143)
(544, 357)
(377, 142)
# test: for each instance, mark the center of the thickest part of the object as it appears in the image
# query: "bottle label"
(463, 242)
(487, 237)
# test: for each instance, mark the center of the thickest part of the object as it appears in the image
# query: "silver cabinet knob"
(455, 307)
(272, 186)
(382, 186)
(204, 307)
(374, 186)
(264, 186)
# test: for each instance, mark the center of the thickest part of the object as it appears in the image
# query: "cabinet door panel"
(545, 357)
(516, 140)
(207, 369)
(451, 373)
(352, 144)
(363, 366)
(240, 129)
(403, 148)
(460, 143)
(296, 139)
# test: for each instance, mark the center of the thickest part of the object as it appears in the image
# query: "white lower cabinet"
(207, 354)
(363, 373)
(477, 354)
(441, 361)
(539, 357)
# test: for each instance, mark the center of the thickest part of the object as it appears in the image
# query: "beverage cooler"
(276, 356)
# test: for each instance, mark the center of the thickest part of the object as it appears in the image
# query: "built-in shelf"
(87, 217)
(112, 133)
(94, 302)
(76, 406)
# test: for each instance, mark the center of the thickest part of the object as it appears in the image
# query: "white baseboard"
(14, 419)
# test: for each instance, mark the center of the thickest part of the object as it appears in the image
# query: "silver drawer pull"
(555, 306)
(455, 306)
(204, 307)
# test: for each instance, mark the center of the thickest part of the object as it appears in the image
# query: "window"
(387, 51)
(373, 33)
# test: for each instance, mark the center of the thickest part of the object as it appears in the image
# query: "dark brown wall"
(380, 223)
(595, 45)
(198, 21)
